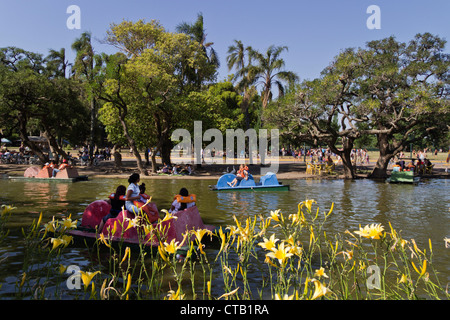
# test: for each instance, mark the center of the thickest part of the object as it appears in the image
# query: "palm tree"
(56, 61)
(197, 33)
(236, 59)
(268, 72)
(84, 60)
(84, 70)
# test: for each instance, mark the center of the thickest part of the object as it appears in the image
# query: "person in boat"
(133, 193)
(54, 169)
(182, 201)
(144, 197)
(241, 174)
(411, 166)
(117, 202)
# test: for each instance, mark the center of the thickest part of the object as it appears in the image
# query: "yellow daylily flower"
(64, 241)
(348, 254)
(268, 244)
(171, 247)
(168, 216)
(62, 269)
(162, 252)
(51, 226)
(87, 277)
(320, 289)
(423, 269)
(284, 297)
(320, 273)
(127, 288)
(403, 279)
(275, 215)
(172, 295)
(223, 239)
(103, 239)
(308, 204)
(373, 231)
(199, 233)
(7, 209)
(127, 254)
(67, 223)
(281, 253)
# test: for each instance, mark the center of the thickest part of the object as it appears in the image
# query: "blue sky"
(314, 31)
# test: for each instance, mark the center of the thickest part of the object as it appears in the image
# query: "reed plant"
(277, 256)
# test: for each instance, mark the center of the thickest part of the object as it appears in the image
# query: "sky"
(314, 31)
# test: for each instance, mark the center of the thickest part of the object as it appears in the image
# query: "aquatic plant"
(294, 256)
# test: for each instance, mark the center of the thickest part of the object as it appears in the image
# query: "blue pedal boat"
(268, 182)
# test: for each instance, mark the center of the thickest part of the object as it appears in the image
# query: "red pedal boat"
(124, 229)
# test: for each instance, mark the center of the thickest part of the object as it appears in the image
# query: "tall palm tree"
(84, 70)
(268, 72)
(197, 32)
(84, 60)
(56, 60)
(237, 54)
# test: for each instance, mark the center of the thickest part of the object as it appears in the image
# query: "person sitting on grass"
(241, 174)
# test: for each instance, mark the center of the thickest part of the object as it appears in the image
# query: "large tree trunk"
(386, 153)
(347, 146)
(380, 169)
(166, 149)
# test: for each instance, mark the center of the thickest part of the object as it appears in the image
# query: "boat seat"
(270, 179)
(250, 182)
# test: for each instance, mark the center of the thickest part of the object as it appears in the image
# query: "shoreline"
(287, 170)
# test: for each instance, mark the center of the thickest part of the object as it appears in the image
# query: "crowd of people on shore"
(176, 169)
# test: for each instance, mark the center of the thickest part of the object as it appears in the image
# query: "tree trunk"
(133, 147)
(30, 144)
(55, 148)
(154, 165)
(347, 146)
(166, 149)
(386, 153)
(380, 169)
(92, 131)
(117, 157)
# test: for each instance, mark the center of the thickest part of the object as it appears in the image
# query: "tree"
(31, 97)
(197, 33)
(404, 93)
(268, 72)
(86, 67)
(56, 63)
(236, 59)
(395, 91)
(150, 88)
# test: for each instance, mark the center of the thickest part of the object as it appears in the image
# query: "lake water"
(420, 211)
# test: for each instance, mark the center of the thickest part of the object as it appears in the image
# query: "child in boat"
(241, 174)
(133, 193)
(117, 202)
(144, 197)
(178, 204)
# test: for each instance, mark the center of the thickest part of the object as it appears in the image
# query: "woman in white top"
(133, 193)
